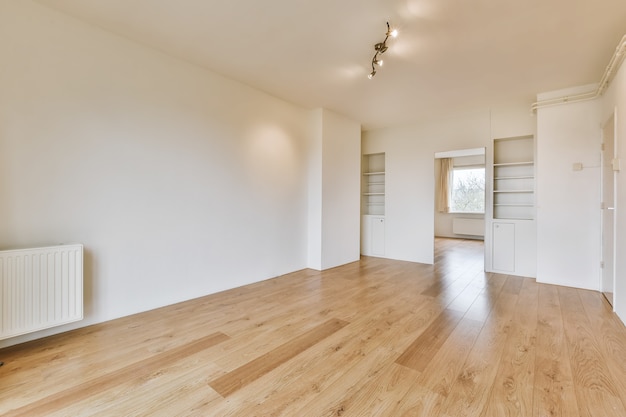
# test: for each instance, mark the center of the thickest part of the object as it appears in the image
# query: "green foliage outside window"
(468, 190)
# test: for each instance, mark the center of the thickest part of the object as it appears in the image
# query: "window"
(467, 194)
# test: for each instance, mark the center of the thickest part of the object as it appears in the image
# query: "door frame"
(610, 123)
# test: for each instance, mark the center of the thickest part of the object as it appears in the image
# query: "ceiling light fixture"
(380, 49)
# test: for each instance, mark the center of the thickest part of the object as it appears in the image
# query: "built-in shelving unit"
(514, 178)
(373, 205)
(373, 184)
(511, 238)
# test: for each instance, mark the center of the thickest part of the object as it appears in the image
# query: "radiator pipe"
(607, 77)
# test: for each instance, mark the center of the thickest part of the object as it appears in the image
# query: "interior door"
(608, 209)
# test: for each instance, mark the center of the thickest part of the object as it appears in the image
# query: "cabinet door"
(378, 236)
(503, 251)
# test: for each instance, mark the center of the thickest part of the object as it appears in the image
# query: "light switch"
(616, 165)
(577, 166)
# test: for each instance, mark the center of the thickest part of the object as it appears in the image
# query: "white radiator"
(40, 288)
(472, 227)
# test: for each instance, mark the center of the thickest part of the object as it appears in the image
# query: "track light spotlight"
(381, 48)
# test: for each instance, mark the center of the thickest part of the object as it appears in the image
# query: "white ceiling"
(450, 55)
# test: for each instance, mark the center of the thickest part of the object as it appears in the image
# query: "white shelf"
(520, 177)
(513, 164)
(513, 178)
(373, 184)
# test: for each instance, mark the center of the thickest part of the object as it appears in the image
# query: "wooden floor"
(372, 338)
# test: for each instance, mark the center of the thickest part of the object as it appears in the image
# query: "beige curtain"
(443, 185)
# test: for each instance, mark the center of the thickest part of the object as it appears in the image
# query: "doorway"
(608, 209)
(460, 198)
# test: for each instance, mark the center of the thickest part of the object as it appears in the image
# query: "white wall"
(315, 158)
(335, 159)
(410, 150)
(568, 211)
(178, 182)
(341, 190)
(568, 201)
(444, 222)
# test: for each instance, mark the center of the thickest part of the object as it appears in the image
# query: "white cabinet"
(373, 235)
(378, 236)
(503, 248)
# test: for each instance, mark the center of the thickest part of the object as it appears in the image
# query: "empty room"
(312, 208)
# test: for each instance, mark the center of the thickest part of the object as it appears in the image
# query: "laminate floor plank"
(171, 390)
(470, 293)
(476, 378)
(87, 388)
(611, 335)
(263, 337)
(337, 399)
(484, 302)
(337, 396)
(379, 394)
(432, 386)
(513, 284)
(512, 391)
(419, 354)
(554, 386)
(240, 377)
(417, 402)
(597, 393)
(323, 364)
(442, 370)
